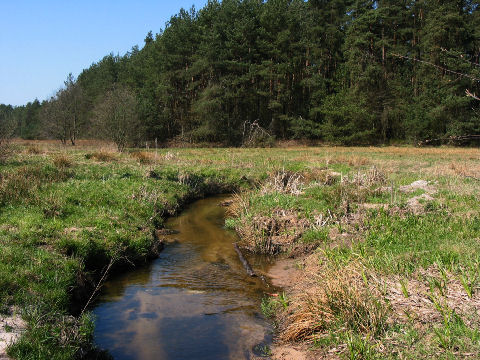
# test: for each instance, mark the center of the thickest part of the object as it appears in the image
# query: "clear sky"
(42, 41)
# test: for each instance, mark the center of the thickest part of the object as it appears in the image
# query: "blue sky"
(42, 41)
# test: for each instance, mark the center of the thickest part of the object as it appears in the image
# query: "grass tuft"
(143, 157)
(62, 161)
(101, 155)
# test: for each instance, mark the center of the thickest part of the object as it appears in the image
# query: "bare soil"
(11, 327)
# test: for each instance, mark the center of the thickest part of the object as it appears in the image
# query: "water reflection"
(194, 302)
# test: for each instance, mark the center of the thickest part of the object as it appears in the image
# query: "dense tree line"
(343, 71)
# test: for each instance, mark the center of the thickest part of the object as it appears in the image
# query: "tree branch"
(436, 66)
(469, 94)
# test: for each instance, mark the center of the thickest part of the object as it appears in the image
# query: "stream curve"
(194, 302)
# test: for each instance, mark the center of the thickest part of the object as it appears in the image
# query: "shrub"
(62, 161)
(143, 157)
(34, 150)
(101, 155)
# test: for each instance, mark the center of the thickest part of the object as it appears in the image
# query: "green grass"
(65, 214)
(63, 221)
(438, 248)
(268, 306)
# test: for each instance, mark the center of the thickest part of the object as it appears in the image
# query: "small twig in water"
(99, 284)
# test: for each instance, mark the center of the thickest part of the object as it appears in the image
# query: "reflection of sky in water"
(194, 302)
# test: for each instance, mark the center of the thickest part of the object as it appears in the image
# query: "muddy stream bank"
(194, 302)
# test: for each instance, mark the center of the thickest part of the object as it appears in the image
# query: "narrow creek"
(194, 302)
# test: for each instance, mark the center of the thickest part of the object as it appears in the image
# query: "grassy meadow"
(386, 241)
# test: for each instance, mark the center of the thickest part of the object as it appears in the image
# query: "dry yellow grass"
(331, 294)
(62, 161)
(33, 150)
(144, 157)
(350, 160)
(102, 155)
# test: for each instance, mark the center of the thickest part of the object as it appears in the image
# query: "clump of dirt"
(285, 272)
(415, 205)
(289, 274)
(226, 203)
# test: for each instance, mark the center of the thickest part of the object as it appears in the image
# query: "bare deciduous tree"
(116, 117)
(61, 113)
(71, 99)
(53, 120)
(7, 128)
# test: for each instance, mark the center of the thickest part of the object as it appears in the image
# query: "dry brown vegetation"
(331, 299)
(102, 155)
(350, 160)
(34, 150)
(144, 157)
(333, 294)
(62, 161)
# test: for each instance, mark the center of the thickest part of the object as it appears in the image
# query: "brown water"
(194, 302)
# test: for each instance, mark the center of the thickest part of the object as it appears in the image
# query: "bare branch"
(469, 94)
(436, 66)
(460, 57)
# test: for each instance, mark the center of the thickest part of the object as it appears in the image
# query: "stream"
(194, 302)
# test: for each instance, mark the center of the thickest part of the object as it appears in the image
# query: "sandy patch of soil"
(419, 185)
(282, 352)
(421, 303)
(288, 274)
(416, 206)
(285, 272)
(11, 327)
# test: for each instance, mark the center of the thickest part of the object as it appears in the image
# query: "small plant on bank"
(404, 287)
(469, 281)
(262, 350)
(230, 224)
(269, 306)
(360, 348)
(283, 300)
